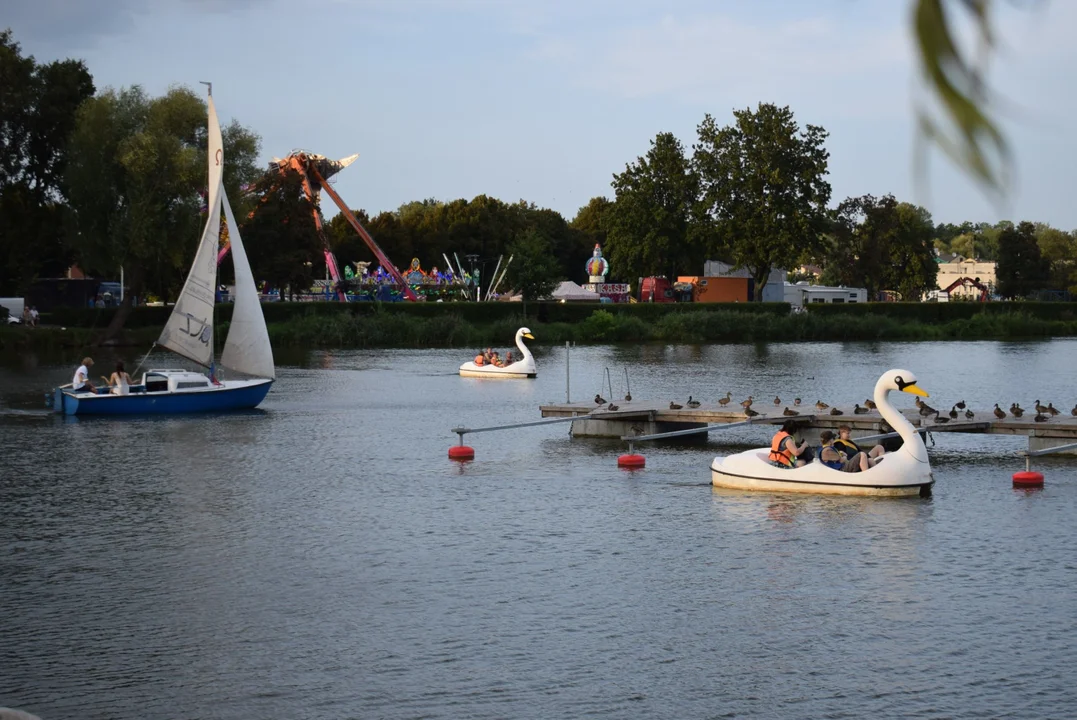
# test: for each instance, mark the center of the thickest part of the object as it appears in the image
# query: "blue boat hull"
(220, 399)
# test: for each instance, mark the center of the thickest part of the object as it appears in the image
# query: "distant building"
(954, 267)
(773, 291)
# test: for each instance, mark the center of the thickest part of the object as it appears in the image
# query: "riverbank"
(448, 329)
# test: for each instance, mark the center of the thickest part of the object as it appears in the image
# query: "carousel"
(905, 472)
(524, 367)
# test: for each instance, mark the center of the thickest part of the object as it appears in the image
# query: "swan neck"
(895, 419)
(520, 344)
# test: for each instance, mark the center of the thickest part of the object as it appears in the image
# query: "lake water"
(321, 558)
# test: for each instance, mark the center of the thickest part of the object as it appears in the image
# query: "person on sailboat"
(120, 381)
(81, 382)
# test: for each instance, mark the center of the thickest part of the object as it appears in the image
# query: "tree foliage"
(650, 224)
(882, 244)
(763, 186)
(534, 272)
(1022, 269)
(283, 242)
(38, 103)
(135, 183)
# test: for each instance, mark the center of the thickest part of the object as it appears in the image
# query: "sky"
(544, 100)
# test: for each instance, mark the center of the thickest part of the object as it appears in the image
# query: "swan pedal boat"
(905, 472)
(522, 368)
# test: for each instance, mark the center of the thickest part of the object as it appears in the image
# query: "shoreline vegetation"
(299, 326)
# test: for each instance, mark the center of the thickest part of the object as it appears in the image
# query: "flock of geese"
(1043, 412)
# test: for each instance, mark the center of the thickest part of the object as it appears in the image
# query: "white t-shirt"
(81, 376)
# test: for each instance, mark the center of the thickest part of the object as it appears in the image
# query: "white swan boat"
(905, 472)
(522, 368)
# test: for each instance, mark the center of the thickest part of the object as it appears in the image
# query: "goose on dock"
(1040, 408)
(953, 412)
(1017, 411)
(522, 368)
(835, 411)
(789, 413)
(905, 472)
(746, 403)
(820, 405)
(1040, 417)
(628, 397)
(599, 400)
(941, 420)
(748, 412)
(999, 412)
(777, 401)
(692, 403)
(674, 406)
(796, 401)
(1073, 412)
(857, 410)
(960, 405)
(870, 404)
(726, 400)
(969, 414)
(1052, 409)
(611, 407)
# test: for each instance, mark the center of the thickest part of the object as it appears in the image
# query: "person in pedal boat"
(81, 382)
(845, 444)
(784, 451)
(830, 456)
(120, 382)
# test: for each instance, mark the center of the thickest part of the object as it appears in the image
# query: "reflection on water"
(320, 557)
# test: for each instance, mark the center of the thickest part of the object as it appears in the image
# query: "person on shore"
(845, 444)
(81, 382)
(784, 451)
(34, 315)
(120, 382)
(26, 315)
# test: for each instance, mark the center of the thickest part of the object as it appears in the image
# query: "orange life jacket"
(478, 360)
(779, 454)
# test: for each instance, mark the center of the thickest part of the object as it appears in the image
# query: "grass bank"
(447, 329)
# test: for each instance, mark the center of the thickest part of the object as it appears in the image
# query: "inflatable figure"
(597, 267)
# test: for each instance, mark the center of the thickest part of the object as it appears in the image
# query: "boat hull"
(894, 477)
(230, 395)
(516, 371)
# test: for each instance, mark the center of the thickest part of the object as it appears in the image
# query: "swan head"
(524, 332)
(901, 380)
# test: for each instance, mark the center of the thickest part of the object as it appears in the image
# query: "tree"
(288, 245)
(37, 114)
(881, 244)
(1059, 250)
(650, 223)
(764, 188)
(1021, 267)
(136, 173)
(591, 221)
(534, 271)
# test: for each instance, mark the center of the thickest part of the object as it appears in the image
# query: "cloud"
(73, 25)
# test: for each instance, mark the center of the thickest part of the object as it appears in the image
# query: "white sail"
(247, 348)
(189, 330)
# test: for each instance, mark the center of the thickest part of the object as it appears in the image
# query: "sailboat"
(189, 330)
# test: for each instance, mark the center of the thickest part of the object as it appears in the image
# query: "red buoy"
(1027, 478)
(461, 452)
(631, 461)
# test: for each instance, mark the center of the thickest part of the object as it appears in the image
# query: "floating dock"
(640, 417)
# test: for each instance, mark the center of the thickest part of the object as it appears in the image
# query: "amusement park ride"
(315, 170)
